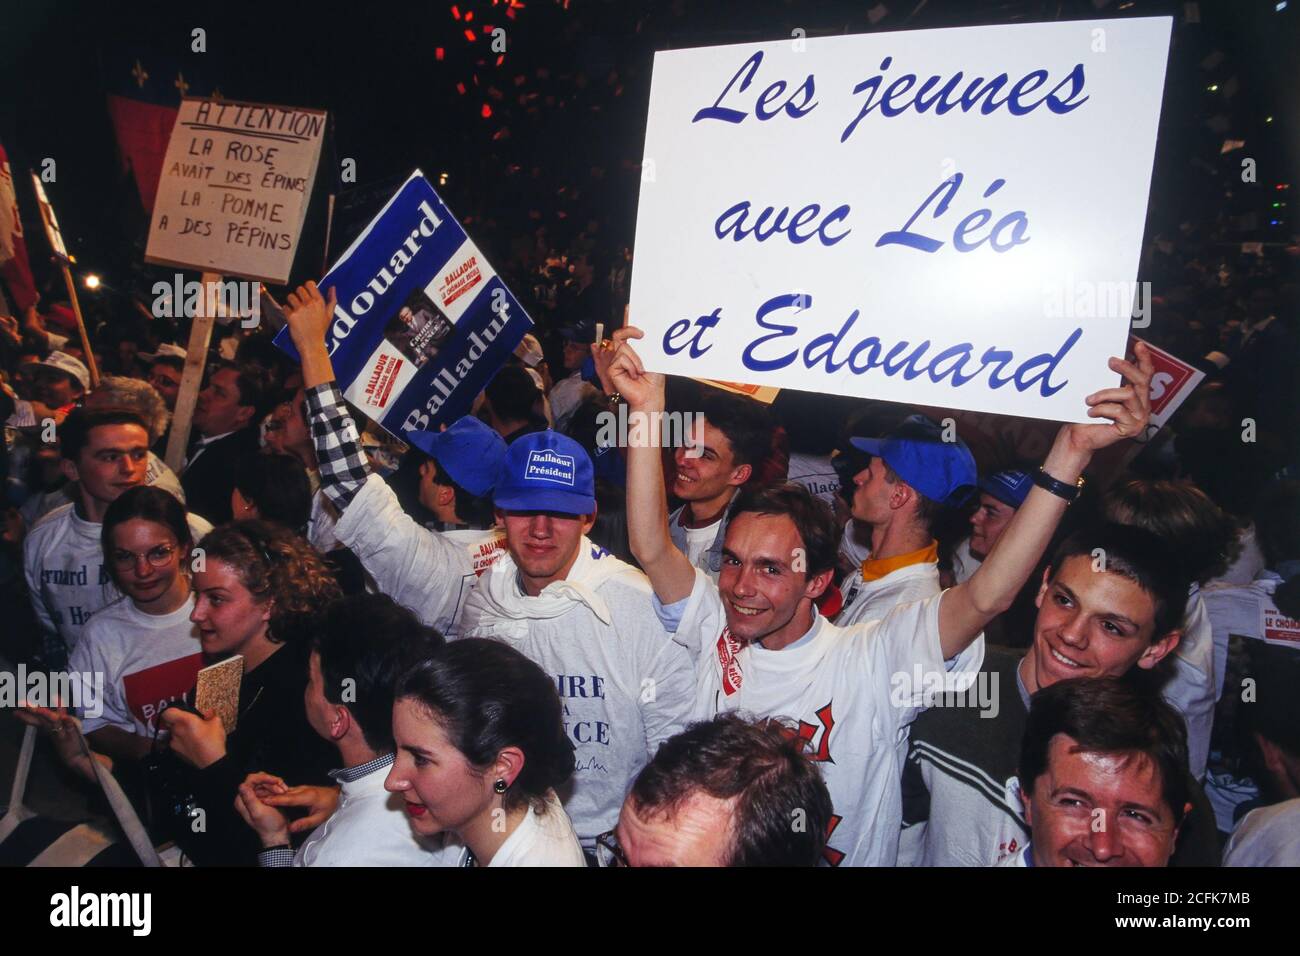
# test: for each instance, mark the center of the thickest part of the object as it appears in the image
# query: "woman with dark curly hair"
(260, 591)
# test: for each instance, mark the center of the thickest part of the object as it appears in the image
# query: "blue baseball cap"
(1010, 487)
(469, 451)
(546, 471)
(918, 454)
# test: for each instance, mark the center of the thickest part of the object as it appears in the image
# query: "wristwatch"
(1061, 489)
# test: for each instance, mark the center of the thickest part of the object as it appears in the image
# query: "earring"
(499, 786)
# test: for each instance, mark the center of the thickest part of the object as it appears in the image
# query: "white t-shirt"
(698, 542)
(430, 572)
(625, 685)
(816, 474)
(546, 839)
(147, 660)
(850, 693)
(66, 576)
(1268, 836)
(872, 600)
(370, 828)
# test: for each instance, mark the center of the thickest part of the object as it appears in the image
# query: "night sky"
(562, 161)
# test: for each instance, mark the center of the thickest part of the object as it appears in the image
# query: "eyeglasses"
(608, 851)
(157, 557)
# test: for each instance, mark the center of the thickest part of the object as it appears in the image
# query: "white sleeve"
(907, 662)
(418, 568)
(703, 617)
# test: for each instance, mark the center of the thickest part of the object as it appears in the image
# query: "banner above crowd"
(945, 217)
(234, 189)
(423, 322)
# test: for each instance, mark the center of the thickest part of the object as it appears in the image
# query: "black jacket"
(272, 735)
(209, 479)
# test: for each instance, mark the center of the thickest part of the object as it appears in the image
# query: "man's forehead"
(752, 533)
(1109, 778)
(1105, 591)
(122, 435)
(695, 832)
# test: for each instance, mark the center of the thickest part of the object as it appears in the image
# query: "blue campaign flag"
(423, 322)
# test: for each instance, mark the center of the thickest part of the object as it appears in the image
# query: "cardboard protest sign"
(50, 222)
(943, 217)
(423, 321)
(234, 188)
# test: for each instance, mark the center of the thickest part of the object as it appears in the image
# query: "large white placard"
(944, 217)
(234, 188)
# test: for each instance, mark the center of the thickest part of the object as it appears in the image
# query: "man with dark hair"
(850, 692)
(512, 398)
(1102, 776)
(105, 452)
(900, 495)
(355, 663)
(724, 792)
(225, 428)
(1110, 604)
(721, 458)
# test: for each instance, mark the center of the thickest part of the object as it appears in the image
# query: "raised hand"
(1128, 407)
(639, 388)
(308, 314)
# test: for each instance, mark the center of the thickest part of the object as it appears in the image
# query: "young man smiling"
(577, 611)
(735, 438)
(1110, 604)
(760, 645)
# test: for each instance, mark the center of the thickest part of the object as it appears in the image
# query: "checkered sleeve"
(280, 856)
(342, 461)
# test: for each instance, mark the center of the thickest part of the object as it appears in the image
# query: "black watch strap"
(1061, 489)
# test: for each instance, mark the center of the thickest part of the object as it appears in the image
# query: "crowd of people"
(820, 631)
(798, 638)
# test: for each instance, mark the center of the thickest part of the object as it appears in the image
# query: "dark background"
(562, 146)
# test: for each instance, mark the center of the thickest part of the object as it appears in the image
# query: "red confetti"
(455, 12)
(460, 88)
(439, 53)
(501, 59)
(485, 112)
(469, 35)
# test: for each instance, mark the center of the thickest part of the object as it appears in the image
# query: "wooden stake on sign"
(81, 325)
(196, 354)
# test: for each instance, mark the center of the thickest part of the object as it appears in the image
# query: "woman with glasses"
(145, 645)
(141, 651)
(481, 747)
(260, 592)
